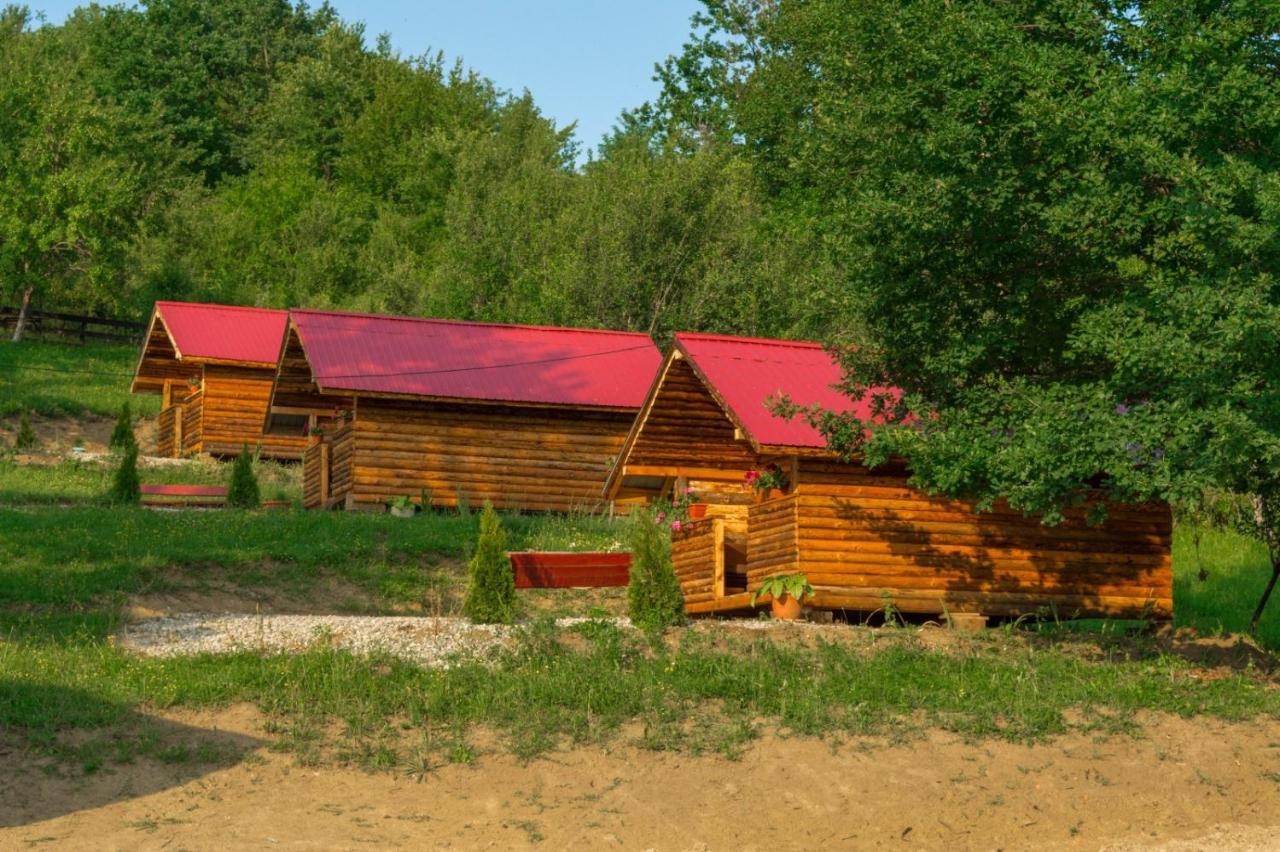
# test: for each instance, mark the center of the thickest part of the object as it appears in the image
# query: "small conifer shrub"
(654, 599)
(491, 586)
(26, 437)
(242, 493)
(125, 487)
(122, 435)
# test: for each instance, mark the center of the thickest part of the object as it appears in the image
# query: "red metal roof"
(746, 371)
(224, 332)
(481, 361)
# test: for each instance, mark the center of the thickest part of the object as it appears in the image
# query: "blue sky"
(583, 61)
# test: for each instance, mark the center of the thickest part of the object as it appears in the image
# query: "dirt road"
(1187, 784)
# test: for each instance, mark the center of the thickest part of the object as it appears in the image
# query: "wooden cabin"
(451, 412)
(864, 538)
(213, 366)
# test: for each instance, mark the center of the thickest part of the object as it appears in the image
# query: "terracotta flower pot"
(697, 511)
(786, 608)
(766, 494)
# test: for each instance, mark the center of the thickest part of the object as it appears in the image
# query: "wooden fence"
(73, 326)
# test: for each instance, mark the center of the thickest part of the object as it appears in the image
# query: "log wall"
(234, 408)
(534, 458)
(192, 423)
(167, 437)
(695, 554)
(686, 434)
(314, 458)
(865, 537)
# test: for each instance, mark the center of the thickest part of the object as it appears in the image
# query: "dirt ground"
(90, 432)
(1188, 784)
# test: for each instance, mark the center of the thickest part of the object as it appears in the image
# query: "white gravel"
(432, 641)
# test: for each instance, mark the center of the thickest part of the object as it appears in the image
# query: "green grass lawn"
(78, 558)
(86, 482)
(1237, 571)
(68, 379)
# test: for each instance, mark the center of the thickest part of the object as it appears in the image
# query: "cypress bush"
(654, 599)
(26, 437)
(242, 493)
(122, 435)
(491, 585)
(125, 487)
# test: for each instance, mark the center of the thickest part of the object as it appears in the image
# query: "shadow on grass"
(66, 750)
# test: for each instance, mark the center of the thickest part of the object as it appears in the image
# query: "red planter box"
(542, 570)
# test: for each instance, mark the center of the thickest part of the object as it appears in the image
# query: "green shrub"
(26, 437)
(122, 435)
(654, 598)
(126, 488)
(242, 493)
(491, 585)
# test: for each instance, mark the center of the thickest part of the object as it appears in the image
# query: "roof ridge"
(482, 323)
(216, 306)
(760, 341)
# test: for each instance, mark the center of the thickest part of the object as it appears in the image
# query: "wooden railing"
(772, 545)
(169, 439)
(341, 477)
(315, 475)
(73, 326)
(192, 422)
(696, 553)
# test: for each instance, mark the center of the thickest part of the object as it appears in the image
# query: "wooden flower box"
(554, 570)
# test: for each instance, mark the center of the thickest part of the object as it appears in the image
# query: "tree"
(1060, 224)
(73, 183)
(654, 599)
(242, 493)
(125, 486)
(491, 583)
(122, 435)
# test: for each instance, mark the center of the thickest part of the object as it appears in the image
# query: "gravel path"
(433, 641)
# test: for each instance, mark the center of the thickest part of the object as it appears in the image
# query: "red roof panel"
(481, 361)
(224, 332)
(747, 371)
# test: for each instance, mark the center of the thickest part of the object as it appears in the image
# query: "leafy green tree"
(73, 184)
(122, 435)
(1058, 223)
(654, 599)
(491, 584)
(125, 485)
(242, 493)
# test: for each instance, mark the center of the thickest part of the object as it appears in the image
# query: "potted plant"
(402, 507)
(315, 434)
(768, 483)
(680, 512)
(787, 593)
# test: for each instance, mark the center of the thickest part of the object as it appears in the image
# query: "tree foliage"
(258, 152)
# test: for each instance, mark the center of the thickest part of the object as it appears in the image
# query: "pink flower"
(662, 516)
(676, 526)
(688, 491)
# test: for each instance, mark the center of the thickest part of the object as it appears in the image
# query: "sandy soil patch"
(58, 435)
(1188, 784)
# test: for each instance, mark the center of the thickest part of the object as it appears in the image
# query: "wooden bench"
(198, 496)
